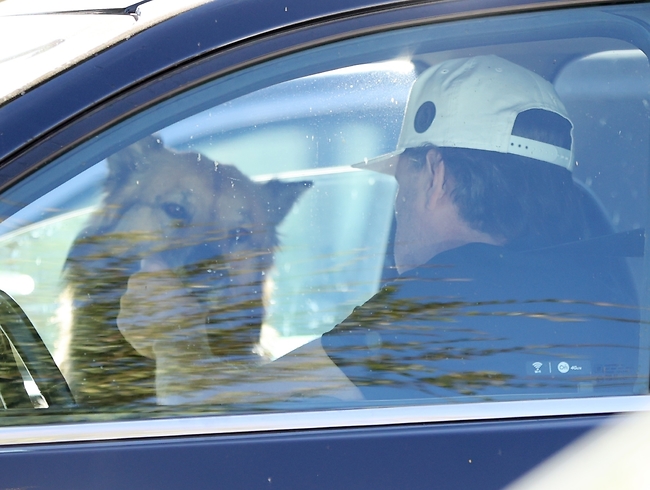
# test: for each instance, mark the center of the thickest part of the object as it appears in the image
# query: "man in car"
(503, 290)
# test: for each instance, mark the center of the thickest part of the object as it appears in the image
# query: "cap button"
(424, 117)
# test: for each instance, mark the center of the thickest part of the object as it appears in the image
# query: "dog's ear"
(133, 158)
(282, 197)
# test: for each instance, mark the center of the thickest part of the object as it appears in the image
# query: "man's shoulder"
(468, 270)
(480, 274)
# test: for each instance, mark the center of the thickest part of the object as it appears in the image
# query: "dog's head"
(206, 222)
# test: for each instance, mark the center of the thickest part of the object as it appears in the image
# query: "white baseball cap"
(473, 103)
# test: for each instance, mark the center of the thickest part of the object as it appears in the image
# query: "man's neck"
(461, 236)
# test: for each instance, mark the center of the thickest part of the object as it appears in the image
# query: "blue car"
(210, 275)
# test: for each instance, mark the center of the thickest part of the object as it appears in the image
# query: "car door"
(171, 247)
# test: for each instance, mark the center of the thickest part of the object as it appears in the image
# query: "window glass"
(237, 248)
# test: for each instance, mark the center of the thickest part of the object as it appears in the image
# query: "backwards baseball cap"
(475, 103)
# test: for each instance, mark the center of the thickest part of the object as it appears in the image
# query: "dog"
(203, 223)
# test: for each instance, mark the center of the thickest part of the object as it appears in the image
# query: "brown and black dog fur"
(207, 222)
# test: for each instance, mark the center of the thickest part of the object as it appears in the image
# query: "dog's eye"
(176, 211)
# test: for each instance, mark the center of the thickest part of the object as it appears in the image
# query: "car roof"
(203, 29)
(41, 38)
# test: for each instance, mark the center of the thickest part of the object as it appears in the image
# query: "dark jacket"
(490, 321)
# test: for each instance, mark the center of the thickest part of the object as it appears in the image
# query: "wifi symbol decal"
(537, 366)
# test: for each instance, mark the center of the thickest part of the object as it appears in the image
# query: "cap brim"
(385, 164)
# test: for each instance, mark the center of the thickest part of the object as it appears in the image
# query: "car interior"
(309, 117)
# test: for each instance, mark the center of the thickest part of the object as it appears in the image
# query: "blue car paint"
(481, 455)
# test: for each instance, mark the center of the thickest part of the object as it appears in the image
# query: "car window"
(227, 251)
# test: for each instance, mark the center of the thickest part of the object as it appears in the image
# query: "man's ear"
(435, 174)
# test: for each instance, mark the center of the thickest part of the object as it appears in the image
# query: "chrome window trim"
(366, 417)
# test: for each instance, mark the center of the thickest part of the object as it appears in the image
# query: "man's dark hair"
(523, 201)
